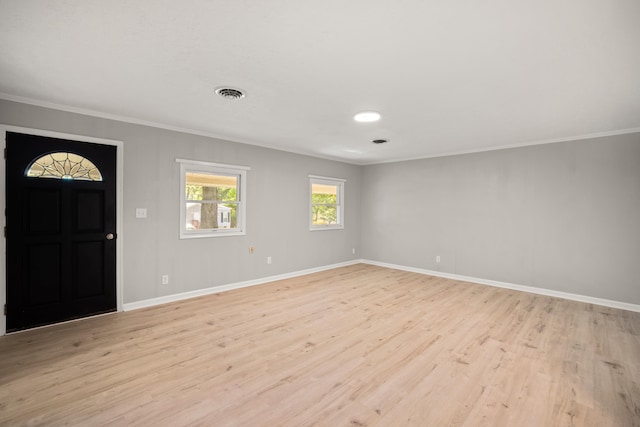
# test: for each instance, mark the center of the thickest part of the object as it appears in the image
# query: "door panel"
(90, 211)
(60, 264)
(88, 272)
(43, 200)
(43, 274)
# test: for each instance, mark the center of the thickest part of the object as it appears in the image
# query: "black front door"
(61, 225)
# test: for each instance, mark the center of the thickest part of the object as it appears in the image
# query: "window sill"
(328, 227)
(206, 234)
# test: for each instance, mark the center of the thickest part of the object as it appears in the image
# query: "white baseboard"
(221, 288)
(530, 289)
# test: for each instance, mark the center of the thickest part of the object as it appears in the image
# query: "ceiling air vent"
(230, 93)
(380, 141)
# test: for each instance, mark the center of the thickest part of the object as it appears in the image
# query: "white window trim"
(340, 182)
(208, 167)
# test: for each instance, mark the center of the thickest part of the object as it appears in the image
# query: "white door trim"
(119, 207)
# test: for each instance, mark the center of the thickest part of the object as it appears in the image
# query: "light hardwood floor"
(354, 346)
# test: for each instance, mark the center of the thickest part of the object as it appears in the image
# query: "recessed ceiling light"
(380, 141)
(230, 93)
(367, 116)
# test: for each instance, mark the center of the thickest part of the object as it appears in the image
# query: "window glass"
(63, 165)
(213, 200)
(327, 210)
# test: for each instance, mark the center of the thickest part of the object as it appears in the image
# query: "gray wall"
(562, 216)
(277, 206)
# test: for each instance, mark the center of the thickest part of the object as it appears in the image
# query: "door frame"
(119, 208)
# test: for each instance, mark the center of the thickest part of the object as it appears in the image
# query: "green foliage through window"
(324, 209)
(326, 201)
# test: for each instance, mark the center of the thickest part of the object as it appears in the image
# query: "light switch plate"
(141, 212)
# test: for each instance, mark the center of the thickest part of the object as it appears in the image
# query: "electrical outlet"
(437, 258)
(268, 260)
(141, 212)
(165, 279)
(353, 251)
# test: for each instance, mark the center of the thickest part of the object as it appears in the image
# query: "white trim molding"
(508, 146)
(529, 289)
(166, 126)
(228, 287)
(328, 178)
(213, 165)
(239, 173)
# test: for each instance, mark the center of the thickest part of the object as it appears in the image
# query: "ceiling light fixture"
(367, 116)
(230, 93)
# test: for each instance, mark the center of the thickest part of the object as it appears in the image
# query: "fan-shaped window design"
(64, 165)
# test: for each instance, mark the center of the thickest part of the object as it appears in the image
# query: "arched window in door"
(63, 165)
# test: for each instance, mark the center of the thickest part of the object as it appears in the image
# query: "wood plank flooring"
(354, 346)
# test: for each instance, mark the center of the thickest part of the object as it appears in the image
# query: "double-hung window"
(212, 199)
(326, 203)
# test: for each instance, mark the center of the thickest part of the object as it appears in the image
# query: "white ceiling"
(447, 76)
